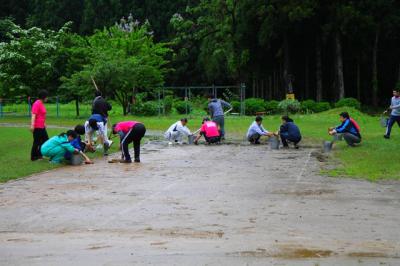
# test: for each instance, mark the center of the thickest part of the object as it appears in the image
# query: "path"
(186, 205)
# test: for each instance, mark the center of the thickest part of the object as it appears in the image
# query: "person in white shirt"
(256, 130)
(177, 131)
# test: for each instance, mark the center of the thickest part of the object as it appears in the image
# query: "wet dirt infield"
(200, 205)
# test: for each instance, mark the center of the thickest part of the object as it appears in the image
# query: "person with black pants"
(38, 125)
(289, 132)
(129, 131)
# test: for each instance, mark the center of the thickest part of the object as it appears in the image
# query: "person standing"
(256, 130)
(38, 125)
(129, 131)
(100, 105)
(394, 114)
(289, 131)
(216, 109)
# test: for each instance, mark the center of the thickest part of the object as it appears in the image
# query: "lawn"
(373, 160)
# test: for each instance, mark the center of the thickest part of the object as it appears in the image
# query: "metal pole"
(29, 106)
(57, 107)
(159, 102)
(163, 96)
(186, 100)
(1, 107)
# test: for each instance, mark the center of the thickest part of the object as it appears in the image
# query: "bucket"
(191, 139)
(337, 137)
(384, 121)
(274, 143)
(328, 146)
(76, 159)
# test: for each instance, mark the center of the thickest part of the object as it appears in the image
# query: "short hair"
(113, 129)
(211, 96)
(93, 124)
(205, 119)
(345, 115)
(97, 93)
(287, 118)
(258, 118)
(184, 120)
(43, 94)
(72, 133)
(79, 129)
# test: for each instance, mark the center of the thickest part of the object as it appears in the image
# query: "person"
(349, 129)
(38, 125)
(177, 130)
(97, 122)
(100, 105)
(289, 131)
(59, 148)
(394, 114)
(210, 131)
(129, 131)
(256, 130)
(216, 109)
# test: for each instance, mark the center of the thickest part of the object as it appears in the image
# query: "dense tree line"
(323, 50)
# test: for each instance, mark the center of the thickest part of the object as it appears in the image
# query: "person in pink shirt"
(129, 131)
(38, 125)
(210, 131)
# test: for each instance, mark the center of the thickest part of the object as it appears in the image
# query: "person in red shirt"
(38, 125)
(210, 131)
(129, 131)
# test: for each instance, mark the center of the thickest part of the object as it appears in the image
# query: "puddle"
(307, 192)
(369, 255)
(286, 253)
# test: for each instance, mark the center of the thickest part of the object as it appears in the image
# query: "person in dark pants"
(216, 109)
(394, 114)
(129, 131)
(256, 130)
(289, 132)
(100, 105)
(349, 129)
(38, 125)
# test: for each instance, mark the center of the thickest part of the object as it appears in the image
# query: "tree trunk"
(287, 79)
(270, 88)
(307, 81)
(77, 106)
(375, 70)
(339, 67)
(358, 81)
(318, 58)
(254, 86)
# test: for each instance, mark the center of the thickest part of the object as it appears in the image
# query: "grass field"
(373, 160)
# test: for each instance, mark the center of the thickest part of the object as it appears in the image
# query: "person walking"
(38, 125)
(216, 109)
(394, 114)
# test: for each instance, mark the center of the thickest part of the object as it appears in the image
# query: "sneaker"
(296, 146)
(386, 136)
(257, 142)
(137, 160)
(125, 161)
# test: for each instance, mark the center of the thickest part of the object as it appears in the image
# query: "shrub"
(289, 106)
(271, 107)
(180, 107)
(348, 102)
(149, 108)
(168, 100)
(322, 106)
(235, 106)
(308, 106)
(254, 105)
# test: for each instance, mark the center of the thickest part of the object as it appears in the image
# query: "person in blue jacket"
(289, 131)
(349, 129)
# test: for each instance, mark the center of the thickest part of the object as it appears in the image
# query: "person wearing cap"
(129, 131)
(349, 129)
(97, 123)
(177, 131)
(256, 130)
(210, 131)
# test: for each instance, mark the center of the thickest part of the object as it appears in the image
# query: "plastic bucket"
(327, 146)
(274, 143)
(338, 137)
(76, 159)
(191, 139)
(384, 121)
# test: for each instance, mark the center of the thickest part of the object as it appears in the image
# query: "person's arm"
(69, 147)
(183, 129)
(33, 119)
(260, 131)
(88, 134)
(342, 127)
(393, 107)
(87, 159)
(225, 104)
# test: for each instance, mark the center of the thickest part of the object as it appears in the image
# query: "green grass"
(373, 160)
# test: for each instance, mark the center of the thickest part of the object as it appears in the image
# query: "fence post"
(186, 100)
(159, 102)
(57, 107)
(1, 107)
(163, 96)
(29, 106)
(242, 99)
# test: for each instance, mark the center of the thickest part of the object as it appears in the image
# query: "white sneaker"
(170, 143)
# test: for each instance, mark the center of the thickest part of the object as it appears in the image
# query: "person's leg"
(284, 137)
(124, 146)
(390, 124)
(139, 130)
(351, 139)
(255, 138)
(221, 123)
(39, 137)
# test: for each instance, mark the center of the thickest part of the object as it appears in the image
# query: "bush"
(168, 100)
(180, 107)
(308, 106)
(150, 108)
(271, 107)
(322, 106)
(254, 105)
(235, 106)
(289, 106)
(348, 102)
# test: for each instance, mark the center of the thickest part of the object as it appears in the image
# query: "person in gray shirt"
(395, 113)
(216, 109)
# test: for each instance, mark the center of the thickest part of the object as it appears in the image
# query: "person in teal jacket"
(56, 147)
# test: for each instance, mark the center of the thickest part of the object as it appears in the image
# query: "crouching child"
(129, 131)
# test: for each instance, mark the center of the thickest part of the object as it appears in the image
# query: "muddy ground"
(200, 205)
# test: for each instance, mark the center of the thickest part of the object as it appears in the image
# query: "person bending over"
(177, 131)
(129, 131)
(349, 129)
(289, 132)
(210, 131)
(97, 123)
(256, 130)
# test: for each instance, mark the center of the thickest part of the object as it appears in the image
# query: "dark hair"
(205, 119)
(345, 115)
(113, 129)
(287, 118)
(184, 120)
(258, 118)
(43, 94)
(97, 93)
(72, 133)
(93, 124)
(211, 96)
(79, 129)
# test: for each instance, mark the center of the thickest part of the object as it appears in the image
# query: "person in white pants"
(177, 131)
(97, 123)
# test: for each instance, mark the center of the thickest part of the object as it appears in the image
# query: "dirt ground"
(200, 205)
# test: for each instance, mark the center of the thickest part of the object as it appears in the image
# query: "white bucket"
(327, 145)
(76, 159)
(274, 143)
